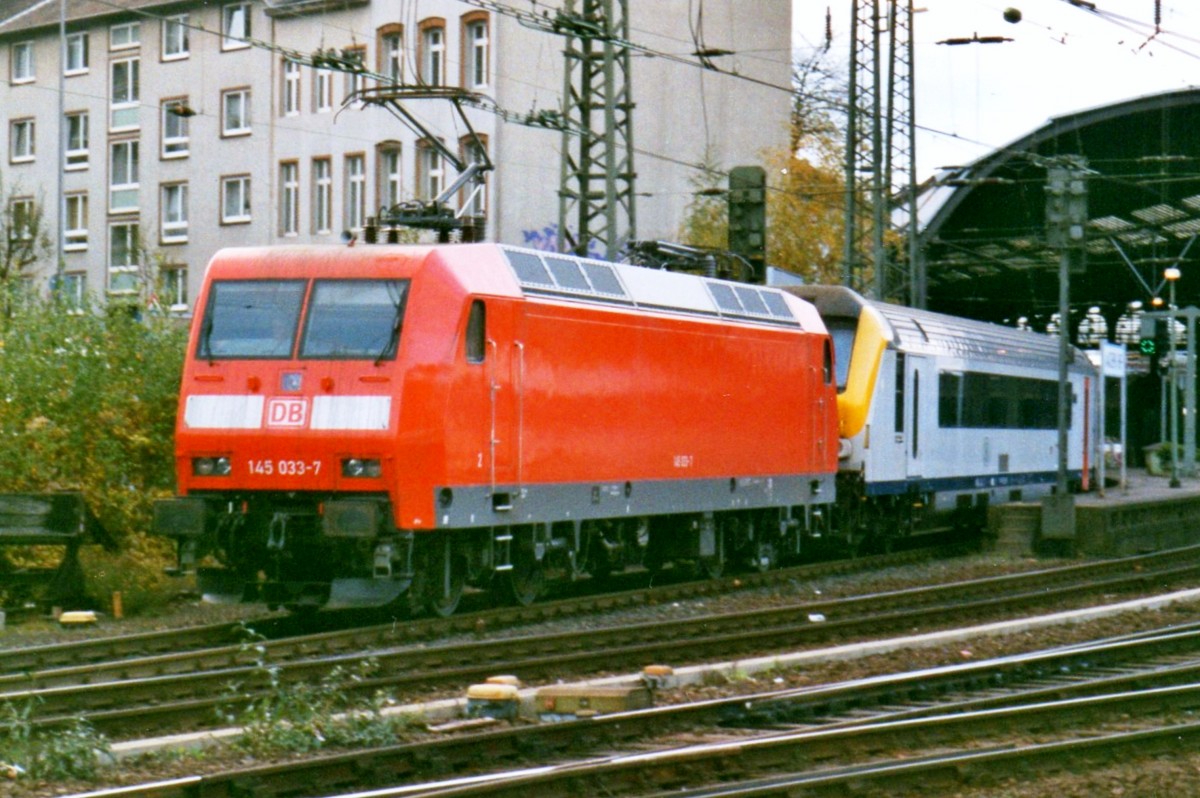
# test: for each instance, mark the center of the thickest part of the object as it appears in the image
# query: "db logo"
(287, 412)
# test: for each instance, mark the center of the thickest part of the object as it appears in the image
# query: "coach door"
(922, 407)
(506, 358)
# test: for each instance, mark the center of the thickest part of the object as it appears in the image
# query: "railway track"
(976, 716)
(169, 692)
(347, 630)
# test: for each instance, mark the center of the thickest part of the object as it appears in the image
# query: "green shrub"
(87, 403)
(70, 752)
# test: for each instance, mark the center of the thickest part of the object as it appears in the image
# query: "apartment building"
(153, 133)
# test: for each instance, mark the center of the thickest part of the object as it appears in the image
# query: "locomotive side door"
(505, 373)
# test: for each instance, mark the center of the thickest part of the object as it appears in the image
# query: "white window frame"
(123, 111)
(392, 45)
(77, 55)
(235, 199)
(478, 52)
(20, 209)
(291, 87)
(125, 234)
(355, 81)
(173, 212)
(323, 91)
(175, 39)
(322, 195)
(235, 29)
(22, 140)
(125, 36)
(72, 289)
(174, 279)
(289, 199)
(76, 155)
(356, 191)
(75, 224)
(21, 63)
(123, 183)
(391, 175)
(235, 112)
(432, 171)
(433, 56)
(175, 138)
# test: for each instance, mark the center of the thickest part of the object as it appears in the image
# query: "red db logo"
(287, 412)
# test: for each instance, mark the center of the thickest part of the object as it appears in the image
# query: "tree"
(24, 234)
(805, 185)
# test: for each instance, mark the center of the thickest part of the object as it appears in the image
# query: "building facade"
(150, 134)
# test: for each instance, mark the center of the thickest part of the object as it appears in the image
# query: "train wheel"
(524, 583)
(446, 581)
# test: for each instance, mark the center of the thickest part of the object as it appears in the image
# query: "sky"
(974, 98)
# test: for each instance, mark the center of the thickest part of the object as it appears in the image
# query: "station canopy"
(983, 231)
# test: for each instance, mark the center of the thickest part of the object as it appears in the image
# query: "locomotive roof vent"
(544, 273)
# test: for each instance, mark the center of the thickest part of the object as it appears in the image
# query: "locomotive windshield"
(251, 318)
(346, 319)
(354, 319)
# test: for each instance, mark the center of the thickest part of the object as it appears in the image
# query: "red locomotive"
(369, 425)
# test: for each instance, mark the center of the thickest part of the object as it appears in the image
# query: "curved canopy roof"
(984, 225)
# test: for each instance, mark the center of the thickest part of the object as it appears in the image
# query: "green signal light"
(1147, 346)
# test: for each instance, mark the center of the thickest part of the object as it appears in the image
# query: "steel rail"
(194, 699)
(1154, 687)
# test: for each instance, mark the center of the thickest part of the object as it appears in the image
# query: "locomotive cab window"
(251, 319)
(842, 331)
(476, 342)
(354, 319)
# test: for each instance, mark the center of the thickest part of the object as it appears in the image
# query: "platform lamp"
(1172, 276)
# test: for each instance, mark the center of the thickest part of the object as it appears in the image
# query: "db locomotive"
(388, 425)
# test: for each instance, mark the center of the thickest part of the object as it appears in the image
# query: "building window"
(175, 37)
(235, 199)
(235, 26)
(356, 191)
(291, 87)
(75, 231)
(77, 54)
(76, 156)
(235, 112)
(72, 290)
(174, 213)
(173, 277)
(431, 172)
(322, 195)
(21, 212)
(175, 142)
(125, 94)
(475, 50)
(123, 177)
(390, 178)
(21, 67)
(433, 52)
(289, 206)
(391, 52)
(355, 80)
(323, 91)
(124, 36)
(123, 269)
(20, 141)
(473, 196)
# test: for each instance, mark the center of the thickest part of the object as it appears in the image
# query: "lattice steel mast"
(881, 154)
(596, 191)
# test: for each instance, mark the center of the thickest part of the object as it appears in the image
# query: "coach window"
(476, 332)
(899, 392)
(828, 362)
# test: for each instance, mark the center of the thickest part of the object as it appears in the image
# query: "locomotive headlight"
(358, 467)
(211, 466)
